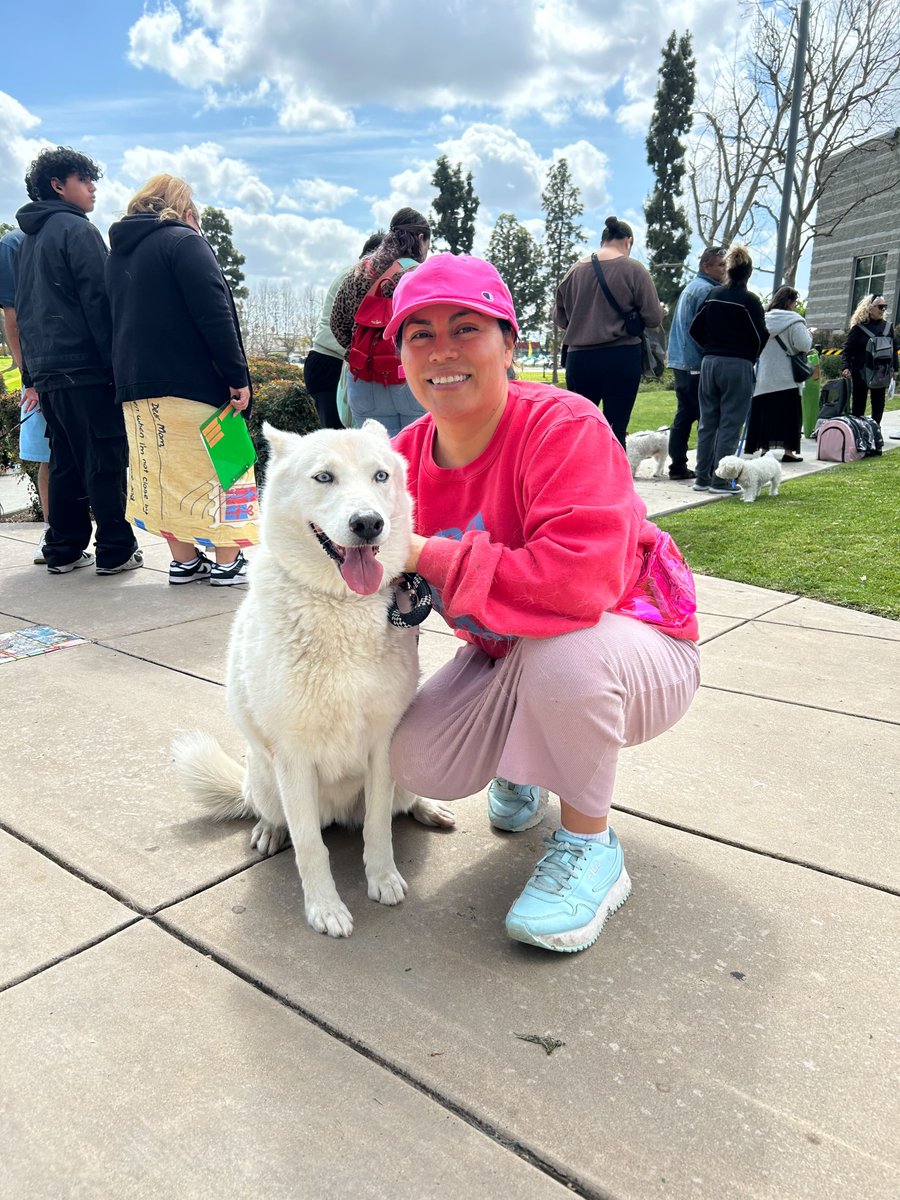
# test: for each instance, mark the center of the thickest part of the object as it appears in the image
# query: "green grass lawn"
(832, 536)
(12, 380)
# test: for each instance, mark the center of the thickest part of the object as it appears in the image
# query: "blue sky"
(310, 124)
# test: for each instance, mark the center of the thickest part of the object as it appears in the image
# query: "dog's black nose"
(367, 525)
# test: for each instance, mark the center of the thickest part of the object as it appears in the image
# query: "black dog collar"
(420, 596)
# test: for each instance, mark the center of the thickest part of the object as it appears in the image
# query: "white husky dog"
(648, 443)
(318, 678)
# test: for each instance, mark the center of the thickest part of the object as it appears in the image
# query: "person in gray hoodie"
(775, 415)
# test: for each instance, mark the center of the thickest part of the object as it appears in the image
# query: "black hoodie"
(61, 303)
(175, 329)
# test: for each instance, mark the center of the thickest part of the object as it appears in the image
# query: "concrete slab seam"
(493, 1133)
(107, 888)
(839, 712)
(736, 845)
(151, 662)
(73, 953)
(875, 637)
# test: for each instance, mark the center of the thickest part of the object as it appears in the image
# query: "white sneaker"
(39, 560)
(130, 564)
(85, 561)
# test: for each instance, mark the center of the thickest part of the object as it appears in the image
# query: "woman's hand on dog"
(416, 546)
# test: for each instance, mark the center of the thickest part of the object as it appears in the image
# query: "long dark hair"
(783, 298)
(402, 241)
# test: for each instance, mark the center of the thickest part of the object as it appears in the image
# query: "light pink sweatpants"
(555, 712)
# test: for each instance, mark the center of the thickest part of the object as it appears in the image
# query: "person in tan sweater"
(603, 361)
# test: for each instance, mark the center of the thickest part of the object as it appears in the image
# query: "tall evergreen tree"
(561, 202)
(668, 231)
(217, 231)
(454, 209)
(520, 261)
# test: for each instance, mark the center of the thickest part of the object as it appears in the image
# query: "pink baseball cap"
(452, 279)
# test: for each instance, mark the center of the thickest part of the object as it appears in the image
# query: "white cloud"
(301, 250)
(17, 150)
(214, 177)
(318, 62)
(316, 195)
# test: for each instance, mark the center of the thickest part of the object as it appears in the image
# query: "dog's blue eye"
(381, 477)
(324, 477)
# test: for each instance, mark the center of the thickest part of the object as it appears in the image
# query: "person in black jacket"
(730, 328)
(64, 330)
(868, 320)
(177, 357)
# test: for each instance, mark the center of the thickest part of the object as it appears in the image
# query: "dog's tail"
(211, 776)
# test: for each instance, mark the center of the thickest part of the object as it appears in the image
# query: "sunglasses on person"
(881, 306)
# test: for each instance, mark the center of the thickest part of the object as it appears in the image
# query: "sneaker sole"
(69, 567)
(240, 581)
(119, 570)
(578, 939)
(191, 579)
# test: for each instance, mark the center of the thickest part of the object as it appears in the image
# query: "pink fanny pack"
(663, 594)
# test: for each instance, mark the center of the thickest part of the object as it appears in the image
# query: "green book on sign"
(228, 444)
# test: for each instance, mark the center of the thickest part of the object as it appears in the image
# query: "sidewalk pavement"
(170, 1027)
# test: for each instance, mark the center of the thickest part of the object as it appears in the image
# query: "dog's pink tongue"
(361, 569)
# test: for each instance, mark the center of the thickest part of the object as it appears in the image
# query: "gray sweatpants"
(726, 392)
(555, 712)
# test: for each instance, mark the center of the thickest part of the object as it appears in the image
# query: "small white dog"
(318, 677)
(753, 473)
(648, 443)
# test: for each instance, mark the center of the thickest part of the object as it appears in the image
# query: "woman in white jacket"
(776, 416)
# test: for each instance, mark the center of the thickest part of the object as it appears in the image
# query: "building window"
(868, 277)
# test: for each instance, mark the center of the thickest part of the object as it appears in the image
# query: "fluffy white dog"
(648, 443)
(758, 471)
(318, 677)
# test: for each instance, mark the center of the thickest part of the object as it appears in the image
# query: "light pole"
(791, 156)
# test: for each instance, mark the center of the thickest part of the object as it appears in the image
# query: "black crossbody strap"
(604, 286)
(789, 353)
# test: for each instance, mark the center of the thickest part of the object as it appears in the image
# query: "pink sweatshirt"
(543, 532)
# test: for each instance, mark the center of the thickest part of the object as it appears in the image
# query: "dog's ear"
(371, 426)
(279, 439)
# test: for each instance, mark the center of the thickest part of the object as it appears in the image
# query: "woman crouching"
(578, 615)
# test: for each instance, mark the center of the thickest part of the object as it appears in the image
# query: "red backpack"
(371, 358)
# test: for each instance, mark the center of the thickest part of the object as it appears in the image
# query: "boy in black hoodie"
(64, 328)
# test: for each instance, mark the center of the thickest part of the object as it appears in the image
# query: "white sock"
(589, 837)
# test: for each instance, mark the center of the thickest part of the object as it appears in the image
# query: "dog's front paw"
(329, 915)
(387, 888)
(267, 838)
(432, 812)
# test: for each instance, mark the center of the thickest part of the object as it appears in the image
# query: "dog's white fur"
(648, 443)
(317, 677)
(758, 471)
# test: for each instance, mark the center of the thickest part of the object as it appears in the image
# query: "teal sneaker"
(574, 888)
(514, 806)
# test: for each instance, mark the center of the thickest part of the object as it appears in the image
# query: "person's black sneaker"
(186, 572)
(681, 473)
(701, 485)
(229, 574)
(724, 487)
